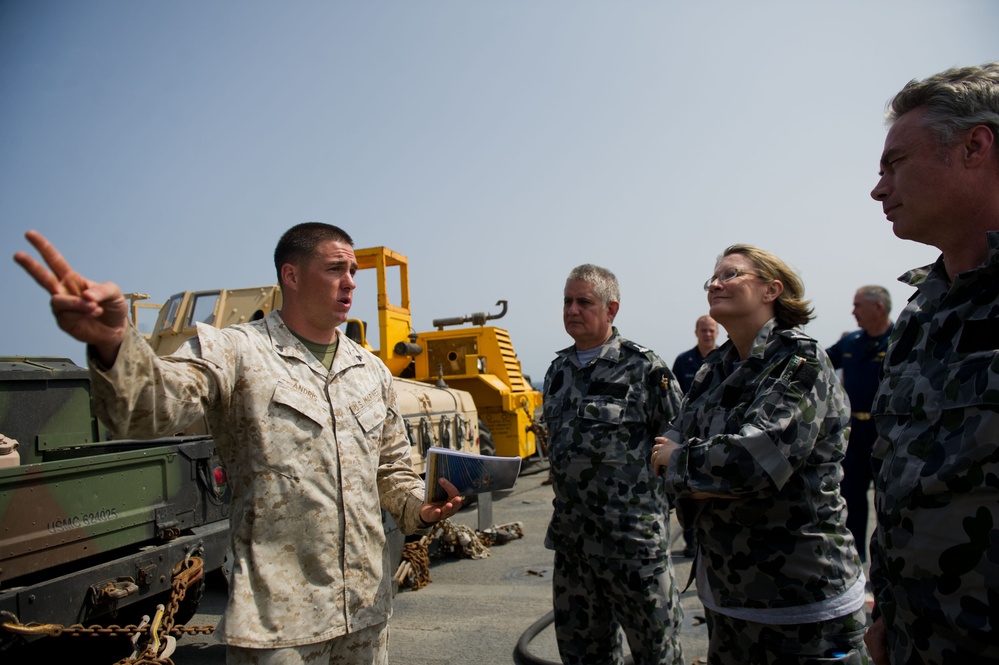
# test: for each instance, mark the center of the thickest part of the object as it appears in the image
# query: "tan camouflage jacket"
(935, 551)
(310, 456)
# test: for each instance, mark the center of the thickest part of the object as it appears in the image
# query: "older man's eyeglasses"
(726, 276)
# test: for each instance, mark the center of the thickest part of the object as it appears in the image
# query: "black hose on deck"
(521, 654)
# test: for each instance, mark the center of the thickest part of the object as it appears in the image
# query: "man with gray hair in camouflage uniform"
(605, 399)
(935, 550)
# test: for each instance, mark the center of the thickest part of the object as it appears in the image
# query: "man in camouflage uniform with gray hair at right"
(605, 399)
(935, 550)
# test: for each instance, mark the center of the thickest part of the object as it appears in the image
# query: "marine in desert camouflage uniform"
(754, 461)
(303, 448)
(935, 550)
(605, 399)
(312, 445)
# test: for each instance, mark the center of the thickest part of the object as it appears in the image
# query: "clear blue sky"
(166, 145)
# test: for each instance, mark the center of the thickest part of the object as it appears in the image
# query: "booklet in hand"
(470, 473)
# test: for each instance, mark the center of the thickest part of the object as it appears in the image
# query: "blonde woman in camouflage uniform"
(754, 457)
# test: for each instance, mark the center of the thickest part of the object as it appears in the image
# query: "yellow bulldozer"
(461, 387)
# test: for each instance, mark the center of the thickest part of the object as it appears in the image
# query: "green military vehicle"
(90, 527)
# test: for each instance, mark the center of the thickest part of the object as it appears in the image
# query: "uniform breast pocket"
(553, 413)
(926, 393)
(370, 416)
(903, 392)
(599, 424)
(603, 411)
(552, 410)
(300, 404)
(296, 418)
(721, 420)
(724, 410)
(972, 382)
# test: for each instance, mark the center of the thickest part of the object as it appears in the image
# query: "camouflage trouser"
(596, 598)
(368, 646)
(737, 642)
(935, 640)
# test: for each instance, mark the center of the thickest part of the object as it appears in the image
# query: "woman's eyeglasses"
(726, 276)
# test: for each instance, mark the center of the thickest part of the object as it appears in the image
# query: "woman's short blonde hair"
(790, 308)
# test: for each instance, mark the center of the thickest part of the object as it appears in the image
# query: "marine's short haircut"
(299, 243)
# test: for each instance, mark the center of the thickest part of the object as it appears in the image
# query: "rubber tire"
(486, 445)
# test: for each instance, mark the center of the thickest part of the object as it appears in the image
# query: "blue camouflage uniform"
(610, 524)
(935, 550)
(766, 436)
(859, 355)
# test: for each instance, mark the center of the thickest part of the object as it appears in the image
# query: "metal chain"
(455, 540)
(501, 534)
(161, 643)
(461, 541)
(414, 570)
(161, 631)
